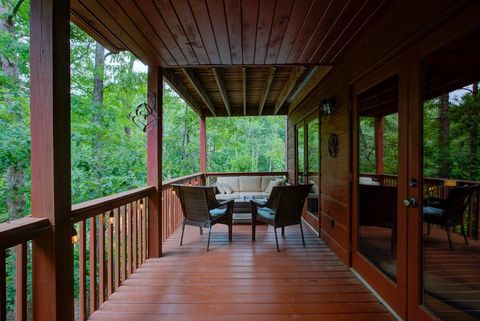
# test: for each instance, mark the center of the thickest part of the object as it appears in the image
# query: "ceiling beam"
(315, 75)
(288, 87)
(271, 73)
(221, 87)
(244, 78)
(198, 87)
(182, 91)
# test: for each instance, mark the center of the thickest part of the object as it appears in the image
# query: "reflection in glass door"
(300, 154)
(313, 164)
(451, 169)
(378, 169)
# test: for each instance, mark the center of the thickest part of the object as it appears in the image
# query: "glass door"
(378, 179)
(308, 159)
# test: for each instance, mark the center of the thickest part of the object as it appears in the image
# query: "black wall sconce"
(327, 106)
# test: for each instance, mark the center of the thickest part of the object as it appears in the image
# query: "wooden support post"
(154, 163)
(203, 145)
(50, 148)
(379, 146)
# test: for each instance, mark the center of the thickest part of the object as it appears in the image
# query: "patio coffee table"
(242, 211)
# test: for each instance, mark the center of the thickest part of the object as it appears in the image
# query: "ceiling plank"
(244, 78)
(288, 87)
(249, 30)
(271, 73)
(198, 87)
(279, 25)
(312, 80)
(264, 27)
(202, 17)
(216, 9)
(233, 13)
(221, 87)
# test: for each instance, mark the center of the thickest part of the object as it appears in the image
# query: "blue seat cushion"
(266, 212)
(217, 212)
(433, 211)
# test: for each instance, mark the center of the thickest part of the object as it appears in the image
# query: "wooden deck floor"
(243, 281)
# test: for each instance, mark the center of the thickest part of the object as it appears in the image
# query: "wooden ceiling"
(271, 45)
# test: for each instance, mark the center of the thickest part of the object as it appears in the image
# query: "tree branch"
(14, 11)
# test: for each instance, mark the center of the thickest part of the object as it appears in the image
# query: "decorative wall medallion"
(145, 115)
(333, 145)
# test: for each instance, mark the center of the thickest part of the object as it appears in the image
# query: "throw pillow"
(228, 189)
(220, 187)
(271, 185)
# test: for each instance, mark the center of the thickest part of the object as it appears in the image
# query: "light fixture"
(327, 106)
(110, 217)
(449, 183)
(74, 236)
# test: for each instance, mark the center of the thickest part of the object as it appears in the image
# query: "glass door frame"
(394, 293)
(314, 115)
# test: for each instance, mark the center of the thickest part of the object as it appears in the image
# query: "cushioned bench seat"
(236, 187)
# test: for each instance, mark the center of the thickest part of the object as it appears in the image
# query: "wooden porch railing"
(439, 187)
(111, 234)
(15, 240)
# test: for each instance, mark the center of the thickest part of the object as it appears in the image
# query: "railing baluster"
(21, 282)
(130, 239)
(110, 258)
(140, 234)
(93, 265)
(3, 287)
(135, 242)
(82, 271)
(145, 230)
(117, 247)
(101, 256)
(124, 243)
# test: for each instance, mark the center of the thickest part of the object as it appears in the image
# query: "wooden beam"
(244, 78)
(221, 87)
(314, 77)
(52, 255)
(288, 87)
(203, 145)
(271, 73)
(177, 85)
(154, 164)
(198, 87)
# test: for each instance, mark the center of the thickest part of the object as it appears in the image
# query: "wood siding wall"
(389, 37)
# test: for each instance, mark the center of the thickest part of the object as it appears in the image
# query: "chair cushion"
(232, 181)
(433, 211)
(255, 195)
(273, 184)
(250, 183)
(218, 212)
(266, 213)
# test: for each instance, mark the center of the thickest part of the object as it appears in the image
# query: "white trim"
(375, 294)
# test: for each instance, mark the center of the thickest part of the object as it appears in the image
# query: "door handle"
(410, 202)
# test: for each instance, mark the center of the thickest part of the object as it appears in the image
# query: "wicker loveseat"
(234, 187)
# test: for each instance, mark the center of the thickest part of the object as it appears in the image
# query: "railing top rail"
(21, 230)
(168, 182)
(247, 173)
(94, 207)
(438, 179)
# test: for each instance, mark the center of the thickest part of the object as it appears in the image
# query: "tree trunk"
(97, 119)
(444, 160)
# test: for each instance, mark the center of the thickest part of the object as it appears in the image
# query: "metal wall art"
(145, 115)
(333, 145)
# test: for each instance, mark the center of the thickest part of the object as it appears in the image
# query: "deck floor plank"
(243, 280)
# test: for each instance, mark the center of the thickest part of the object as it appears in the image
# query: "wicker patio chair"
(283, 208)
(449, 212)
(201, 208)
